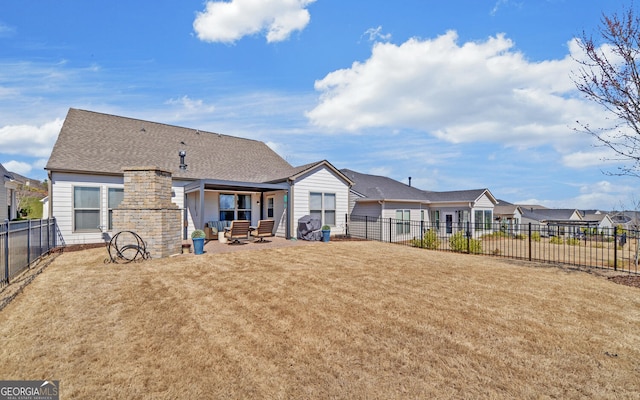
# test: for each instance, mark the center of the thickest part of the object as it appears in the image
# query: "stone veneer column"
(147, 210)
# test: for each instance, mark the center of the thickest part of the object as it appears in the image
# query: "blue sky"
(456, 94)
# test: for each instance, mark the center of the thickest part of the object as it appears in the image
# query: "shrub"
(429, 241)
(521, 236)
(326, 228)
(535, 236)
(573, 242)
(458, 242)
(556, 240)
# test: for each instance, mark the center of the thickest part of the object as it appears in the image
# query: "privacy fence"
(22, 243)
(572, 244)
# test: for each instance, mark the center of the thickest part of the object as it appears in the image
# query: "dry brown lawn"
(352, 320)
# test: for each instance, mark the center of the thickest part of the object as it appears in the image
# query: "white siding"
(320, 180)
(61, 196)
(4, 203)
(484, 202)
(367, 209)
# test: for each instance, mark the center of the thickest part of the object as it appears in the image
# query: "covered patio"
(217, 200)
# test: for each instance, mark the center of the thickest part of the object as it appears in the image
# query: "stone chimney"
(147, 210)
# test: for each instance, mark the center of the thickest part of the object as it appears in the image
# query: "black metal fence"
(22, 243)
(580, 245)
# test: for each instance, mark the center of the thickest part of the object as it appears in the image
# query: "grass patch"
(328, 320)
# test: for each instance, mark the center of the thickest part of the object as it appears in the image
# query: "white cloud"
(603, 195)
(375, 34)
(29, 140)
(187, 107)
(18, 167)
(227, 22)
(477, 91)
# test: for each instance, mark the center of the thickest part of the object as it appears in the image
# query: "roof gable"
(456, 196)
(92, 142)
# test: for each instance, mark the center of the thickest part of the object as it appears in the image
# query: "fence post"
(54, 228)
(29, 243)
(389, 230)
(615, 249)
(6, 251)
(366, 227)
(421, 232)
(468, 235)
(346, 224)
(530, 241)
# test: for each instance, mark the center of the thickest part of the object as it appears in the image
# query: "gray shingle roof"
(102, 143)
(548, 214)
(455, 195)
(4, 173)
(375, 187)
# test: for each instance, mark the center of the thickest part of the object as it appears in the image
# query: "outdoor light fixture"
(182, 155)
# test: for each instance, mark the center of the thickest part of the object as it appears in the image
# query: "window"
(244, 206)
(435, 219)
(323, 206)
(86, 208)
(227, 207)
(488, 219)
(269, 207)
(115, 198)
(234, 206)
(402, 221)
(483, 219)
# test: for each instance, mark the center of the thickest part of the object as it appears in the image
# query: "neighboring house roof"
(551, 214)
(596, 217)
(23, 180)
(506, 209)
(92, 142)
(532, 207)
(4, 174)
(457, 196)
(376, 187)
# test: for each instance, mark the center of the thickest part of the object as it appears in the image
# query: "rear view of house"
(215, 178)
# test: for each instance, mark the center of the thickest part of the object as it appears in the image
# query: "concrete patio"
(215, 247)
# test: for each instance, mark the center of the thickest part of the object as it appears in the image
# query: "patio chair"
(264, 229)
(239, 230)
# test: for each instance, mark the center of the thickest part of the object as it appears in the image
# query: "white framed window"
(435, 219)
(323, 206)
(114, 198)
(483, 219)
(86, 208)
(402, 221)
(270, 207)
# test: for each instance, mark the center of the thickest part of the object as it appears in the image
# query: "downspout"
(50, 190)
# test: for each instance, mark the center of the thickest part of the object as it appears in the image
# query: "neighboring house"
(603, 220)
(556, 221)
(375, 196)
(215, 177)
(8, 204)
(629, 220)
(508, 215)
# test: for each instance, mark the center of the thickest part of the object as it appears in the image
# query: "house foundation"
(147, 210)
